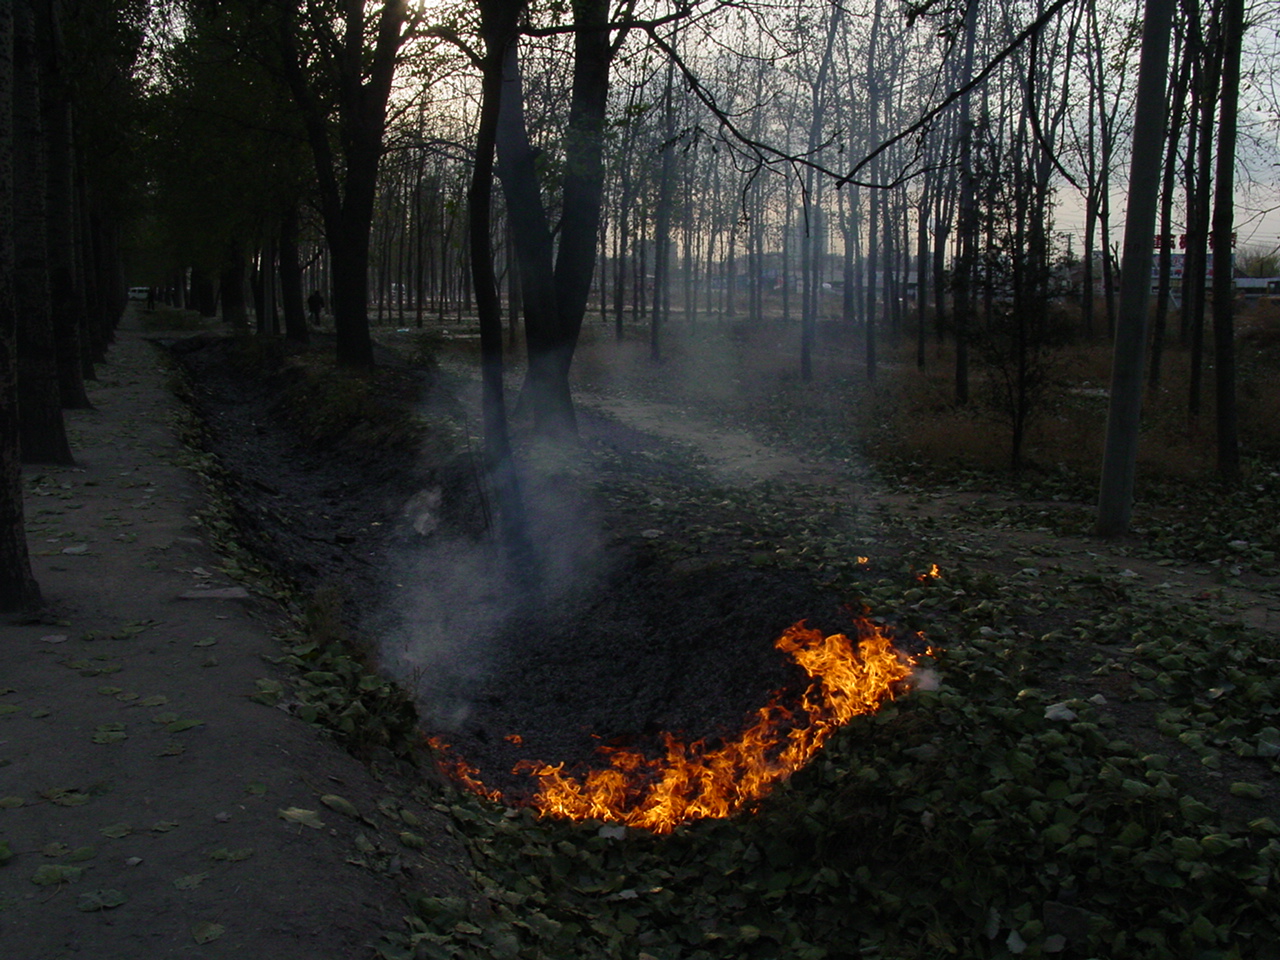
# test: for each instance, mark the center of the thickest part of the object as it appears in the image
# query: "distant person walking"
(315, 303)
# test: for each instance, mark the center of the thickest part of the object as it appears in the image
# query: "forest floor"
(255, 544)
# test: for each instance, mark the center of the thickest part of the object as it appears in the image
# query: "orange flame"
(693, 781)
(461, 771)
(933, 573)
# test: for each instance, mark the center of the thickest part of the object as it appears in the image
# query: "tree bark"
(18, 588)
(556, 296)
(1115, 496)
(66, 302)
(43, 436)
(347, 183)
(499, 25)
(1226, 415)
(291, 299)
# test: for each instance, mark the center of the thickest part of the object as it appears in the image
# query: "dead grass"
(918, 419)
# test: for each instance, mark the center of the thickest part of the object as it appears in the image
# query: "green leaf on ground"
(231, 856)
(80, 854)
(165, 716)
(340, 804)
(171, 750)
(179, 725)
(5, 853)
(412, 840)
(190, 881)
(206, 642)
(110, 691)
(55, 849)
(10, 803)
(255, 789)
(207, 932)
(100, 900)
(116, 830)
(66, 798)
(162, 826)
(159, 700)
(110, 733)
(9, 709)
(39, 712)
(54, 873)
(307, 818)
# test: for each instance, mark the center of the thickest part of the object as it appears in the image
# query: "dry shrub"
(913, 415)
(918, 419)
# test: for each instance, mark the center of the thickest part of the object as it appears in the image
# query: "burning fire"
(694, 781)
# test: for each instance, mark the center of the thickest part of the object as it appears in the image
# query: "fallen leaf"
(100, 900)
(55, 849)
(10, 803)
(162, 826)
(412, 840)
(190, 881)
(159, 700)
(40, 712)
(54, 873)
(307, 818)
(116, 830)
(65, 798)
(171, 750)
(179, 725)
(110, 733)
(340, 804)
(5, 853)
(206, 932)
(80, 854)
(231, 856)
(255, 789)
(54, 638)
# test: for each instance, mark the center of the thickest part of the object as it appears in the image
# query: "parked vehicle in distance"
(139, 293)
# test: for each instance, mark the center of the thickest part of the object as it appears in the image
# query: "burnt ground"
(667, 545)
(630, 632)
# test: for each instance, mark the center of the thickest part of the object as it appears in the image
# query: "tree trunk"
(43, 436)
(1179, 96)
(66, 302)
(347, 184)
(966, 230)
(1224, 360)
(292, 302)
(662, 224)
(499, 29)
(1115, 497)
(235, 311)
(18, 588)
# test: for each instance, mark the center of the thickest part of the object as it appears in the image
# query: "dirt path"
(735, 458)
(142, 793)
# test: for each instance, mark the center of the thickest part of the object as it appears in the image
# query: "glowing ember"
(933, 573)
(693, 781)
